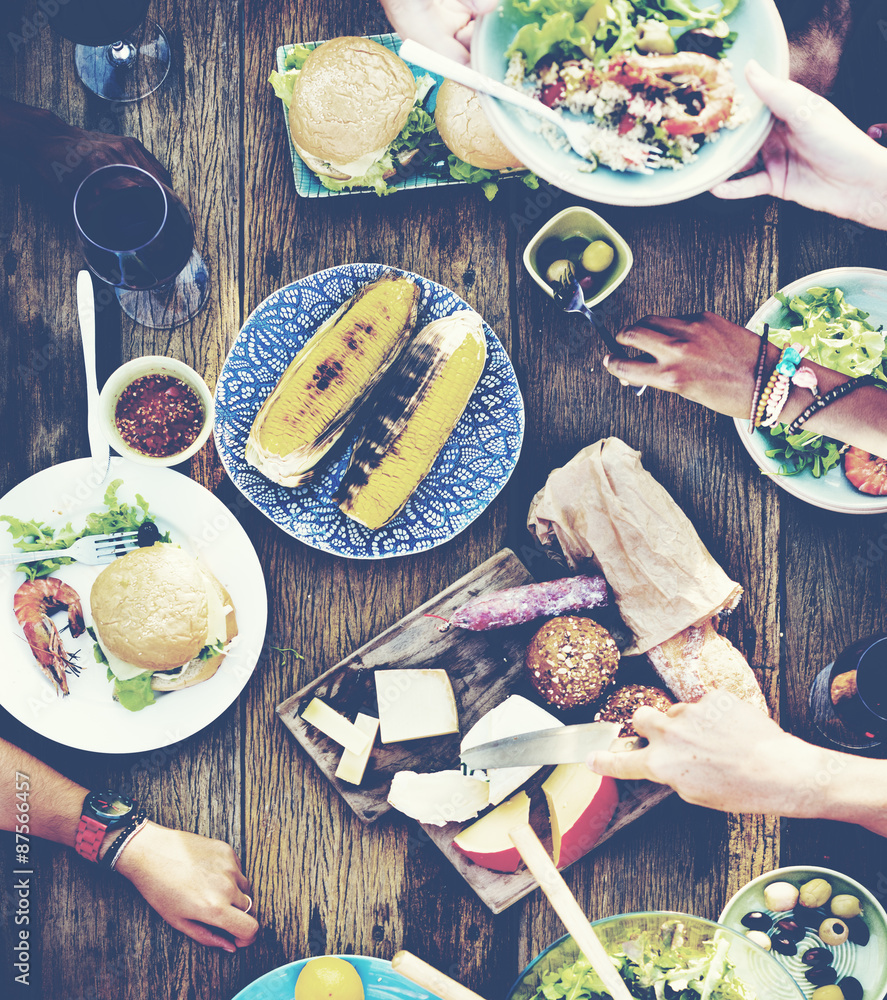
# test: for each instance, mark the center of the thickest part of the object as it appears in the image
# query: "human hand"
(814, 156)
(878, 132)
(705, 358)
(443, 25)
(722, 753)
(66, 155)
(193, 882)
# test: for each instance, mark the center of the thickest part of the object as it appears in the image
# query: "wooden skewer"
(564, 902)
(409, 965)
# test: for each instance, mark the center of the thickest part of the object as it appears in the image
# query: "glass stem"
(122, 53)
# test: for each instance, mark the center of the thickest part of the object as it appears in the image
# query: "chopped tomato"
(626, 123)
(866, 472)
(553, 93)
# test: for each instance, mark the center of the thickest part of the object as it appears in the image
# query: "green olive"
(597, 256)
(828, 993)
(560, 272)
(833, 932)
(656, 38)
(816, 892)
(845, 906)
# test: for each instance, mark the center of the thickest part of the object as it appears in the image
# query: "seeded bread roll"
(623, 702)
(571, 660)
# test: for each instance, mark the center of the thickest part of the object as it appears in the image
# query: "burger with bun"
(477, 153)
(161, 622)
(355, 111)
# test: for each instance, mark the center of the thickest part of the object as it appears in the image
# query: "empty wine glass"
(119, 55)
(137, 235)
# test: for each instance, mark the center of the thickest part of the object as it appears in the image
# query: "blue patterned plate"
(473, 466)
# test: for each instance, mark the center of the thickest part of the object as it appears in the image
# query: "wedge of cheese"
(352, 766)
(336, 726)
(415, 704)
(514, 717)
(438, 798)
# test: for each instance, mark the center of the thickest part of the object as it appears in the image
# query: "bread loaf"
(698, 660)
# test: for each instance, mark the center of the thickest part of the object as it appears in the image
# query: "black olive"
(817, 956)
(701, 40)
(825, 975)
(790, 929)
(784, 944)
(859, 932)
(573, 247)
(757, 921)
(148, 534)
(805, 917)
(851, 988)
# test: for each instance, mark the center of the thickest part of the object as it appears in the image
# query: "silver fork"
(578, 133)
(94, 550)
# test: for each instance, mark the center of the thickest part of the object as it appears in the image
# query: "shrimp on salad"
(647, 72)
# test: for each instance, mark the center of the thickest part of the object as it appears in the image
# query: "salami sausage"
(536, 600)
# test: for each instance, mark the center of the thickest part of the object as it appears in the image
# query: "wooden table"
(324, 883)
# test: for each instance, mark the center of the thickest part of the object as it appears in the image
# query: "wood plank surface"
(323, 882)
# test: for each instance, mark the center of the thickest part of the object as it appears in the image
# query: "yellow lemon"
(329, 979)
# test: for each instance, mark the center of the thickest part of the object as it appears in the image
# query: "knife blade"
(564, 745)
(99, 448)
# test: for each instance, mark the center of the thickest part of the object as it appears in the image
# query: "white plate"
(88, 718)
(865, 288)
(760, 36)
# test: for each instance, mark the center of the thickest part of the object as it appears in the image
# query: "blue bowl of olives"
(825, 928)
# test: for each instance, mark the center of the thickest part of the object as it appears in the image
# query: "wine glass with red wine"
(137, 235)
(848, 698)
(119, 55)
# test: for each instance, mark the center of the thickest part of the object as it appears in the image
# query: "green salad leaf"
(34, 536)
(805, 450)
(134, 694)
(837, 335)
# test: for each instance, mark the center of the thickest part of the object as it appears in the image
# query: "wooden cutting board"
(484, 669)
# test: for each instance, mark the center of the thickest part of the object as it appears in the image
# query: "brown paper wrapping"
(603, 506)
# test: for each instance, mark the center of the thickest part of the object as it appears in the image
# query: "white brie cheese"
(514, 717)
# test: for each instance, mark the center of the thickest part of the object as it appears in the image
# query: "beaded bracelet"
(127, 832)
(822, 401)
(775, 393)
(759, 370)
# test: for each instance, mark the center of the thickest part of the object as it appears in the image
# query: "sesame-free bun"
(466, 130)
(352, 97)
(150, 608)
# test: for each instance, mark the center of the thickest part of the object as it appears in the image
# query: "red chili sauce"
(158, 415)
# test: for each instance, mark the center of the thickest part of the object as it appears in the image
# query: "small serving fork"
(94, 550)
(577, 132)
(570, 297)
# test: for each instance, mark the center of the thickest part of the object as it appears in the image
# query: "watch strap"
(90, 834)
(137, 819)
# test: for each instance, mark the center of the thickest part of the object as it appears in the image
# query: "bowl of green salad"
(840, 316)
(661, 955)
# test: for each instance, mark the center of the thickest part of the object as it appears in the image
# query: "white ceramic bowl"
(868, 964)
(153, 365)
(581, 221)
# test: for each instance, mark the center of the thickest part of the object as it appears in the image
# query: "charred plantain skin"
(415, 409)
(320, 392)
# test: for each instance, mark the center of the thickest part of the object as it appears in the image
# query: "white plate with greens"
(88, 718)
(865, 289)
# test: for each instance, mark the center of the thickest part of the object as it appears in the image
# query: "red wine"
(871, 679)
(858, 686)
(138, 234)
(97, 22)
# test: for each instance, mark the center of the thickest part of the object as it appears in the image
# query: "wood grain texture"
(323, 882)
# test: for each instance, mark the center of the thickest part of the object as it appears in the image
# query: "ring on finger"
(250, 905)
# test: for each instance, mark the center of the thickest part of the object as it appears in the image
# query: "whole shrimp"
(33, 603)
(691, 71)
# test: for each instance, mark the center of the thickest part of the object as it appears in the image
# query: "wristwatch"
(102, 811)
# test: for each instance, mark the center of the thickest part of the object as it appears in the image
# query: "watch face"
(109, 806)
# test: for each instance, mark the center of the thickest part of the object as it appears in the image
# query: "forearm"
(857, 792)
(871, 202)
(859, 418)
(26, 131)
(54, 802)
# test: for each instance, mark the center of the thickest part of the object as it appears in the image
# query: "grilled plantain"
(416, 407)
(321, 390)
